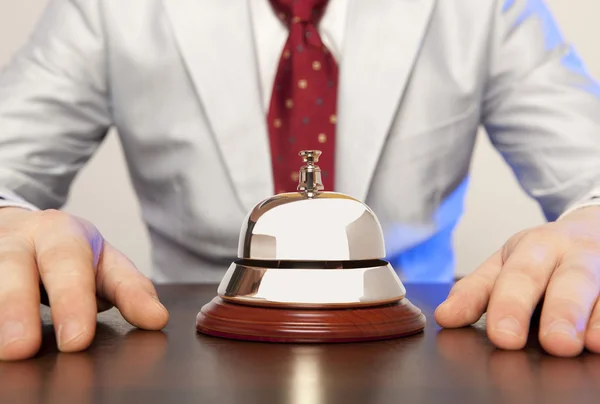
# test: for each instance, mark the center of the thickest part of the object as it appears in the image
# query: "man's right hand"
(77, 269)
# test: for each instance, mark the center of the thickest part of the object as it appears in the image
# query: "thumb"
(120, 283)
(468, 299)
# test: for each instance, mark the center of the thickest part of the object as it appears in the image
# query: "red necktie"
(302, 113)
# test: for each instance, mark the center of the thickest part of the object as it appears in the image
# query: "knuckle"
(14, 226)
(583, 275)
(544, 235)
(6, 234)
(536, 242)
(119, 292)
(483, 281)
(66, 223)
(13, 245)
(515, 239)
(526, 275)
(467, 289)
(54, 217)
(7, 238)
(65, 258)
(500, 306)
(48, 222)
(70, 296)
(568, 307)
(589, 244)
(534, 233)
(582, 260)
(576, 280)
(534, 236)
(460, 286)
(147, 284)
(87, 226)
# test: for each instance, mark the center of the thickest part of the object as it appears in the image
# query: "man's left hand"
(559, 262)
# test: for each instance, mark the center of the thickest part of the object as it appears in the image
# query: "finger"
(102, 305)
(468, 299)
(120, 283)
(20, 324)
(592, 336)
(66, 266)
(518, 289)
(570, 298)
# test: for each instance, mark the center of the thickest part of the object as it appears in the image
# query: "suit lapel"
(381, 44)
(217, 45)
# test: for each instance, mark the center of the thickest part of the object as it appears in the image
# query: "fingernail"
(11, 331)
(69, 331)
(509, 325)
(562, 327)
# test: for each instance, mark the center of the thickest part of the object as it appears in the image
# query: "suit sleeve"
(541, 108)
(11, 200)
(54, 109)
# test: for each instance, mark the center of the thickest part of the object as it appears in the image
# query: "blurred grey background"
(496, 208)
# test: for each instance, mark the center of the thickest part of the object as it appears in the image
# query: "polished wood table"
(125, 365)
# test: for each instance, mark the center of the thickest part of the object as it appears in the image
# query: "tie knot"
(296, 11)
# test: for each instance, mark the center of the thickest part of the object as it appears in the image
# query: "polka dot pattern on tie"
(303, 107)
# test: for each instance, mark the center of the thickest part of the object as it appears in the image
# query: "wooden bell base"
(276, 324)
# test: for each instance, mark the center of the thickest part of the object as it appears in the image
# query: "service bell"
(310, 268)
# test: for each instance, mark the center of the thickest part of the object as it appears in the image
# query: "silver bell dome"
(326, 227)
(311, 248)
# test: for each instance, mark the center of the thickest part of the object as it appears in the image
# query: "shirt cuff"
(592, 200)
(12, 200)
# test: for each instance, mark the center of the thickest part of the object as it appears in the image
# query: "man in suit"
(213, 99)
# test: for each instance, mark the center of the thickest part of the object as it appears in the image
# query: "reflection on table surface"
(179, 365)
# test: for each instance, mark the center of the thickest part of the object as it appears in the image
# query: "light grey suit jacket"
(178, 79)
